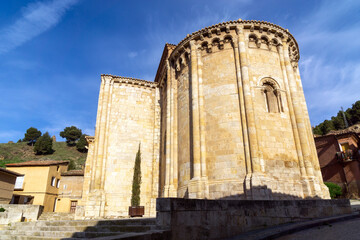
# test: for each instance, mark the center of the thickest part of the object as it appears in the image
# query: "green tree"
(43, 145)
(324, 127)
(72, 134)
(338, 121)
(31, 135)
(135, 195)
(82, 144)
(71, 165)
(354, 112)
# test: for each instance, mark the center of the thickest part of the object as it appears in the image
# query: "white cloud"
(330, 70)
(36, 18)
(328, 86)
(132, 54)
(179, 26)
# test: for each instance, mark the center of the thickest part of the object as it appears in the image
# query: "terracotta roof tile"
(73, 173)
(37, 163)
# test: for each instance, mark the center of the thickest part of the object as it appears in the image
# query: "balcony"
(348, 155)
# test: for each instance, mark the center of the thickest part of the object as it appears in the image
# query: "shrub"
(71, 165)
(334, 189)
(2, 209)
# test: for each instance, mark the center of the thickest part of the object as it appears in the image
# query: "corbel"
(227, 29)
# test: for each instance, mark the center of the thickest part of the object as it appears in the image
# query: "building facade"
(70, 191)
(339, 156)
(225, 118)
(39, 183)
(7, 184)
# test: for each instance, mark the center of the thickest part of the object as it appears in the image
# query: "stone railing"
(20, 213)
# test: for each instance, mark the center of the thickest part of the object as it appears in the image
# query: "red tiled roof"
(37, 163)
(73, 173)
(352, 129)
(10, 172)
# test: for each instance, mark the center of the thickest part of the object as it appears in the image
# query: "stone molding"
(131, 81)
(90, 139)
(219, 34)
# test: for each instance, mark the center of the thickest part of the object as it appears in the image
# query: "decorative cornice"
(90, 139)
(214, 30)
(165, 55)
(129, 80)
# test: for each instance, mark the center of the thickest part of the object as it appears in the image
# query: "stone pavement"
(346, 230)
(286, 231)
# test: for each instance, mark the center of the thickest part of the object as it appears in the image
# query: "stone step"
(22, 237)
(101, 228)
(56, 216)
(126, 222)
(139, 228)
(58, 234)
(150, 235)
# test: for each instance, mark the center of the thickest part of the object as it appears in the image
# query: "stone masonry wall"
(218, 219)
(131, 123)
(128, 117)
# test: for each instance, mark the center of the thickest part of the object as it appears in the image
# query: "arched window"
(272, 95)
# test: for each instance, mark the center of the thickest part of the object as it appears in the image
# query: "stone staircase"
(135, 229)
(56, 216)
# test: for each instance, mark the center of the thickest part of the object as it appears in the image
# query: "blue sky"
(52, 52)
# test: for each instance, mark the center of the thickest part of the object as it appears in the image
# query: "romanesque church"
(224, 118)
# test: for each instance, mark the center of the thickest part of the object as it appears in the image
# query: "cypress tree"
(135, 196)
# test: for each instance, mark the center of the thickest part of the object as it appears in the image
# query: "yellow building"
(41, 180)
(7, 183)
(70, 191)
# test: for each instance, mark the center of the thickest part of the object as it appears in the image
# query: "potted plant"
(135, 210)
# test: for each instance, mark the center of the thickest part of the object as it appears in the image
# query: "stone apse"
(225, 118)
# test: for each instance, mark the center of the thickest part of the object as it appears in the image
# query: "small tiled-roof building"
(339, 157)
(70, 191)
(7, 183)
(41, 179)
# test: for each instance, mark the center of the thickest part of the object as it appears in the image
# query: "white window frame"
(19, 183)
(58, 183)
(53, 181)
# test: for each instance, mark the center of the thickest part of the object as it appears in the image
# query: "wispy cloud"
(330, 65)
(9, 134)
(132, 54)
(35, 19)
(181, 24)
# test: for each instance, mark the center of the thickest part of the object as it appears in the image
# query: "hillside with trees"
(37, 146)
(337, 122)
(22, 152)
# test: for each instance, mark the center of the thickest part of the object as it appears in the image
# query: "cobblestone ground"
(347, 230)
